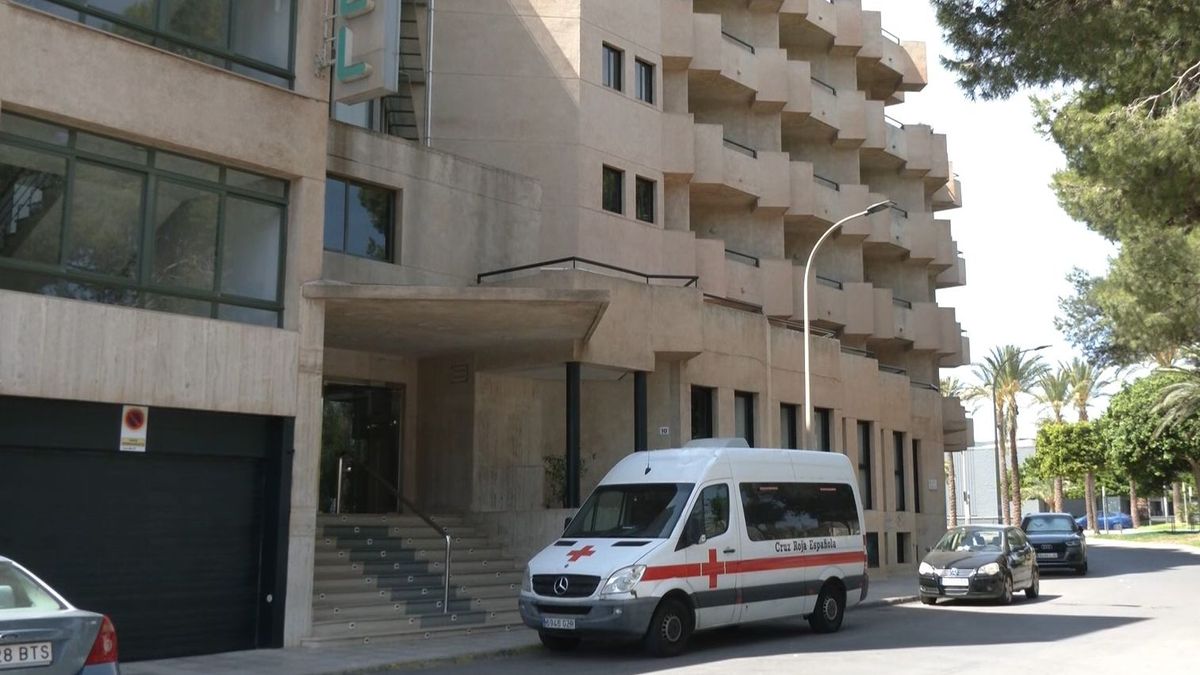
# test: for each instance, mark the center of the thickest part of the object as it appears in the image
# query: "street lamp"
(996, 432)
(808, 273)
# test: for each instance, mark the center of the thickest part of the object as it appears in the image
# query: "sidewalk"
(414, 654)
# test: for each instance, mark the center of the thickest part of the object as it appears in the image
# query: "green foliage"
(1069, 449)
(1140, 445)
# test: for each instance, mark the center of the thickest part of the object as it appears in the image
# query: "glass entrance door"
(363, 426)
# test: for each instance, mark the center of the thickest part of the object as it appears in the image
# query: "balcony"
(744, 280)
(889, 231)
(818, 201)
(808, 23)
(734, 170)
(835, 304)
(949, 196)
(955, 275)
(816, 109)
(957, 428)
(886, 65)
(677, 35)
(723, 65)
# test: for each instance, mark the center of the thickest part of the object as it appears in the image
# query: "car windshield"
(1049, 525)
(643, 510)
(973, 540)
(20, 591)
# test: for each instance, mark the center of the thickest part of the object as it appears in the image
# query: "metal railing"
(892, 369)
(858, 352)
(738, 41)
(893, 121)
(831, 184)
(575, 262)
(738, 256)
(345, 465)
(897, 209)
(889, 35)
(733, 304)
(825, 85)
(901, 302)
(826, 281)
(925, 385)
(744, 149)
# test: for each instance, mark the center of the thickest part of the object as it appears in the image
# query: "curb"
(887, 602)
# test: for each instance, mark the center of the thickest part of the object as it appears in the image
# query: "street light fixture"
(996, 433)
(808, 273)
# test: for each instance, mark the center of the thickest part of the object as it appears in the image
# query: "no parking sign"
(135, 419)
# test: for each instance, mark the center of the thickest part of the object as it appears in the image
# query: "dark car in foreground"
(979, 562)
(1058, 540)
(40, 632)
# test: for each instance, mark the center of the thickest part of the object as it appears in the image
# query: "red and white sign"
(135, 420)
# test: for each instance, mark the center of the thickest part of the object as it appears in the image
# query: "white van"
(673, 541)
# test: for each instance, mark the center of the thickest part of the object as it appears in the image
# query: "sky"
(1018, 244)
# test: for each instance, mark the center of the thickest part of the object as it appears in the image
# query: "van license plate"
(560, 624)
(26, 654)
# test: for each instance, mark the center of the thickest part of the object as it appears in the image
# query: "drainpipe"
(429, 73)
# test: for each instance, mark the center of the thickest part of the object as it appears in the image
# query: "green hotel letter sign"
(367, 63)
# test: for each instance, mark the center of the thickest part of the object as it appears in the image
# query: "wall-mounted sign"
(933, 484)
(367, 60)
(135, 420)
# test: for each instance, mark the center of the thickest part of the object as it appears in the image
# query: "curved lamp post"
(996, 435)
(808, 272)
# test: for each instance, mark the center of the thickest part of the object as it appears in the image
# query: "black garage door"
(183, 545)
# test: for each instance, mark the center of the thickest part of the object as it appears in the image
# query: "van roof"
(692, 464)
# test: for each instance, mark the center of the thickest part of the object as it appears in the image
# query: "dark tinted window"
(644, 84)
(358, 219)
(898, 458)
(788, 426)
(613, 196)
(702, 412)
(743, 416)
(644, 199)
(823, 428)
(613, 66)
(872, 541)
(710, 515)
(628, 511)
(794, 510)
(865, 474)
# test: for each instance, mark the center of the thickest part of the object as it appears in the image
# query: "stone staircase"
(379, 577)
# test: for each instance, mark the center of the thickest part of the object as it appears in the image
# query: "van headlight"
(925, 568)
(527, 580)
(989, 569)
(623, 580)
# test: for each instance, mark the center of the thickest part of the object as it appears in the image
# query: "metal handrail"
(738, 256)
(831, 184)
(744, 149)
(826, 281)
(890, 35)
(745, 45)
(343, 469)
(903, 213)
(924, 385)
(893, 121)
(691, 279)
(858, 352)
(825, 85)
(892, 369)
(733, 304)
(901, 302)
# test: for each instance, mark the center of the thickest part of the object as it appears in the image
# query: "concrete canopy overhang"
(420, 321)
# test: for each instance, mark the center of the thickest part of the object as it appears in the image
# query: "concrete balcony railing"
(848, 38)
(807, 17)
(889, 229)
(835, 303)
(724, 163)
(922, 237)
(949, 196)
(955, 275)
(799, 106)
(918, 149)
(851, 120)
(957, 429)
(939, 163)
(748, 280)
(811, 100)
(888, 65)
(677, 35)
(947, 249)
(819, 201)
(730, 60)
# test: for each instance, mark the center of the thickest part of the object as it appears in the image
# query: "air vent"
(564, 542)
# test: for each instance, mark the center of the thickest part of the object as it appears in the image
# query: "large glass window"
(702, 411)
(613, 195)
(251, 37)
(795, 510)
(644, 199)
(94, 218)
(358, 219)
(647, 510)
(644, 80)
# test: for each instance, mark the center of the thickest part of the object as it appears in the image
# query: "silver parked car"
(42, 633)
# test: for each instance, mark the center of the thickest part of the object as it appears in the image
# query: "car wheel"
(928, 601)
(829, 611)
(558, 643)
(1006, 593)
(669, 629)
(1082, 569)
(1031, 593)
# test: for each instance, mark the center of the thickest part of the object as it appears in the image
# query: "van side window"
(710, 515)
(794, 510)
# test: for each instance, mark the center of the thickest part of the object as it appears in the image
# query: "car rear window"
(19, 591)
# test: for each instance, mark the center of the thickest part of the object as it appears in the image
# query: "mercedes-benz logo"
(560, 585)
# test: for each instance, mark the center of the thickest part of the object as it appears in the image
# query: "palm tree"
(1180, 401)
(989, 374)
(952, 387)
(1086, 381)
(1054, 390)
(1019, 373)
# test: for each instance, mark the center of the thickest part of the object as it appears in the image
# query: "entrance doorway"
(362, 426)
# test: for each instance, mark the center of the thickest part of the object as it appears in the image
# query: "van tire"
(829, 611)
(558, 643)
(669, 629)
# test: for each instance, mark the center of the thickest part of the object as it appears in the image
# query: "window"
(788, 436)
(916, 469)
(93, 218)
(614, 65)
(647, 510)
(358, 219)
(644, 80)
(864, 464)
(710, 515)
(823, 426)
(702, 412)
(898, 455)
(903, 544)
(613, 196)
(249, 37)
(795, 510)
(644, 199)
(743, 416)
(872, 549)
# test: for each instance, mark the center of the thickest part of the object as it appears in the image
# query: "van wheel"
(669, 629)
(558, 643)
(829, 611)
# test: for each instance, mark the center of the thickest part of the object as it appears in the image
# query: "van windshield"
(642, 510)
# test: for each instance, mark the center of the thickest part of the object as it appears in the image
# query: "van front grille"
(577, 585)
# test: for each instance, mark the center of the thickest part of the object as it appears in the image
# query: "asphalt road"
(1136, 611)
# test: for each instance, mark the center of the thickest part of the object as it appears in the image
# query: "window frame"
(620, 175)
(640, 182)
(142, 283)
(866, 471)
(612, 70)
(644, 80)
(391, 243)
(898, 454)
(709, 398)
(156, 37)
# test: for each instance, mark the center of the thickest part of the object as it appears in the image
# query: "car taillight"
(104, 649)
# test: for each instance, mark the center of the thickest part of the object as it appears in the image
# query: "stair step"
(409, 609)
(413, 624)
(355, 583)
(383, 531)
(368, 596)
(431, 633)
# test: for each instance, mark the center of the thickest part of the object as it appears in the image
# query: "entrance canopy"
(421, 321)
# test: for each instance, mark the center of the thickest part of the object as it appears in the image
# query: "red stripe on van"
(671, 572)
(661, 572)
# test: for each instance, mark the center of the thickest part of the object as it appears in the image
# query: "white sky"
(1018, 244)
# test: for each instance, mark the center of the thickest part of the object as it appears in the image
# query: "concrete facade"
(766, 124)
